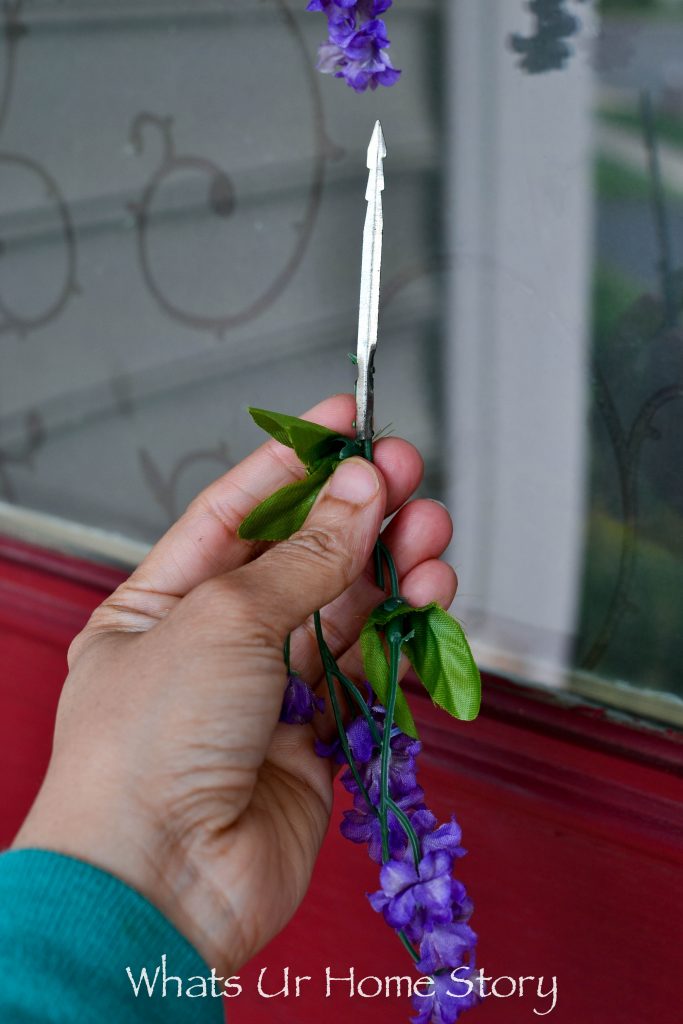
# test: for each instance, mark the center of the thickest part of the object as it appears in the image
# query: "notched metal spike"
(377, 151)
(369, 285)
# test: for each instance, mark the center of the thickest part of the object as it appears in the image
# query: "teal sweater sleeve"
(68, 934)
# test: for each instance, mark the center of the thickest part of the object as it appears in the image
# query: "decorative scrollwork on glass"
(10, 318)
(649, 335)
(13, 31)
(22, 323)
(166, 488)
(222, 199)
(22, 453)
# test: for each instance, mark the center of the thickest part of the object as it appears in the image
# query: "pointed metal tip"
(377, 150)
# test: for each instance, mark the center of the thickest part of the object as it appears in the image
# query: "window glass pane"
(566, 368)
(180, 217)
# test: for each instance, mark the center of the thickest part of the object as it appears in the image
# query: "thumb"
(316, 564)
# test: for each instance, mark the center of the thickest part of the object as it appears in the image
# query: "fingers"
(315, 565)
(421, 531)
(204, 543)
(401, 466)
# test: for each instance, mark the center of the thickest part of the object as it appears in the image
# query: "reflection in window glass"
(180, 216)
(565, 364)
(630, 626)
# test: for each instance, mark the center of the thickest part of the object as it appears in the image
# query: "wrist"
(137, 854)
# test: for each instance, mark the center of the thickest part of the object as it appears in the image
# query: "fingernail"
(355, 481)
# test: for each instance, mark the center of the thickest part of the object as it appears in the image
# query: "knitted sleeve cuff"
(76, 943)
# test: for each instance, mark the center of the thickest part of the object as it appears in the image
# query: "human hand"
(169, 767)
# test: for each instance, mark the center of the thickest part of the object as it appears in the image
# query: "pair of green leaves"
(320, 450)
(437, 648)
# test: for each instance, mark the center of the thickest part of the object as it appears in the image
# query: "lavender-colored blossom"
(357, 46)
(332, 750)
(461, 904)
(406, 890)
(447, 999)
(444, 837)
(460, 912)
(362, 826)
(446, 945)
(367, 9)
(361, 58)
(447, 837)
(402, 770)
(299, 703)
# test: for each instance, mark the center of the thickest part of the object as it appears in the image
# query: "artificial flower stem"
(322, 646)
(355, 693)
(377, 555)
(393, 574)
(287, 653)
(349, 686)
(404, 821)
(394, 638)
(409, 946)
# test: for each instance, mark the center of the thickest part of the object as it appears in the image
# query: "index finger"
(204, 541)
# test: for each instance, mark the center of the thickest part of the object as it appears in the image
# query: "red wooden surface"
(574, 825)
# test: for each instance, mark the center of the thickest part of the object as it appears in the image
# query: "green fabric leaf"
(284, 512)
(441, 656)
(377, 673)
(438, 651)
(310, 441)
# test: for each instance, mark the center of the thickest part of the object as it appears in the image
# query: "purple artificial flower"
(408, 892)
(366, 43)
(446, 945)
(460, 912)
(367, 9)
(403, 767)
(461, 904)
(447, 998)
(361, 58)
(447, 837)
(333, 750)
(362, 826)
(357, 44)
(360, 740)
(299, 703)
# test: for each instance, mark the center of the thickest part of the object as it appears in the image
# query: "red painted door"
(573, 822)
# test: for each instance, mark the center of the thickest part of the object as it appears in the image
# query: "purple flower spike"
(406, 891)
(299, 703)
(357, 46)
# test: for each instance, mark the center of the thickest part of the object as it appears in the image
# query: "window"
(181, 212)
